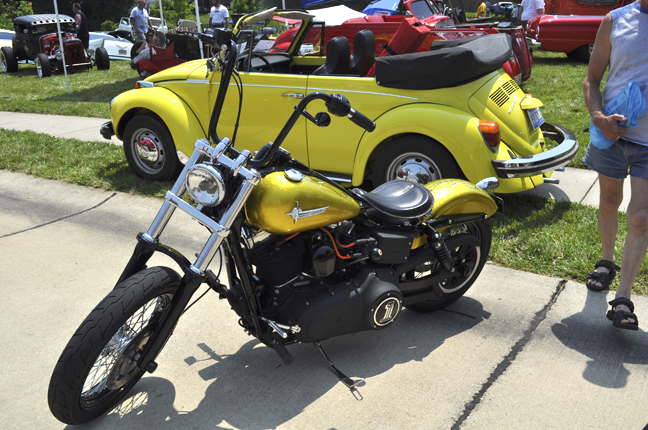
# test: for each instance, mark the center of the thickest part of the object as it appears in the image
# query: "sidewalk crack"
(60, 219)
(508, 360)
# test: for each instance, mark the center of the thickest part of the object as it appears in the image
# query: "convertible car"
(448, 112)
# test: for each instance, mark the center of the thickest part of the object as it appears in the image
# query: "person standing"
(529, 9)
(82, 32)
(218, 15)
(620, 44)
(481, 10)
(140, 21)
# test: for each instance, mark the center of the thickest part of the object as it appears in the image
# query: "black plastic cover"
(447, 64)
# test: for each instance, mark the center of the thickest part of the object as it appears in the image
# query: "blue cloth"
(629, 103)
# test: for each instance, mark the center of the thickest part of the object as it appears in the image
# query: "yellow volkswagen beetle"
(434, 119)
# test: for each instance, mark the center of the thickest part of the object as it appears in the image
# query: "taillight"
(490, 132)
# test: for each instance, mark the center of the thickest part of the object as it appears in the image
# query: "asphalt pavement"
(518, 351)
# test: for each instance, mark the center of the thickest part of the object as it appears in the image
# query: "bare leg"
(608, 216)
(636, 242)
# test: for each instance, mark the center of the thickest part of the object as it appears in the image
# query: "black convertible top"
(41, 19)
(446, 64)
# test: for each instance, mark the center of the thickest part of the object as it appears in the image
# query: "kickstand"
(350, 383)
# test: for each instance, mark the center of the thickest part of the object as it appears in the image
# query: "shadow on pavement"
(252, 390)
(592, 334)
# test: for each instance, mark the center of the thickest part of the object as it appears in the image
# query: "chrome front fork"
(219, 229)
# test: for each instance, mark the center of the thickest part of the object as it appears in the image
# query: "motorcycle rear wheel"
(475, 258)
(98, 367)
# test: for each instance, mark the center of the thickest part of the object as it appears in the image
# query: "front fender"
(184, 126)
(452, 128)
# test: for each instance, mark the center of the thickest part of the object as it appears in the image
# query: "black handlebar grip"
(361, 121)
(283, 353)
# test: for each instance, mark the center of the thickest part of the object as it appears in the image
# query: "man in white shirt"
(139, 19)
(529, 9)
(218, 15)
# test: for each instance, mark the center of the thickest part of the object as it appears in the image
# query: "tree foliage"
(246, 6)
(97, 11)
(9, 9)
(174, 10)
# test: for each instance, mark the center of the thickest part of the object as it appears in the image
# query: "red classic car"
(572, 34)
(441, 28)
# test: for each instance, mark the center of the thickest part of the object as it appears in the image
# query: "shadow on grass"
(119, 177)
(102, 93)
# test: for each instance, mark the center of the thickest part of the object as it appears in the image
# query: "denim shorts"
(618, 159)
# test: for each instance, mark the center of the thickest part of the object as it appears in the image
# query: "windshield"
(421, 9)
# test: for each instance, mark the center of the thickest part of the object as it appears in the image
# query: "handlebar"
(336, 104)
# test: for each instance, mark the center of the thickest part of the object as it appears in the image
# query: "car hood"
(179, 72)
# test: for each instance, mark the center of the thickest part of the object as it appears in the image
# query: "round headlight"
(205, 185)
(59, 56)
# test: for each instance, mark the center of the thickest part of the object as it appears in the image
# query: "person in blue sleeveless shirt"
(620, 44)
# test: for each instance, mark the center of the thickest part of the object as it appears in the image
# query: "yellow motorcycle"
(304, 259)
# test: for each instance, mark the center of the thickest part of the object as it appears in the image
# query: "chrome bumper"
(543, 162)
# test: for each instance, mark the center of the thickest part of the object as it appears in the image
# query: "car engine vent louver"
(501, 95)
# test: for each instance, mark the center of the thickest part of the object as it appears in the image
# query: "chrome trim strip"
(330, 90)
(543, 162)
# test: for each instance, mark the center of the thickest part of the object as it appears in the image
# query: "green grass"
(90, 91)
(534, 234)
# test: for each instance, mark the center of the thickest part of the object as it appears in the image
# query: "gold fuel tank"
(286, 202)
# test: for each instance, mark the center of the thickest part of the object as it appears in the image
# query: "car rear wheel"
(150, 150)
(584, 53)
(101, 59)
(414, 158)
(43, 66)
(8, 60)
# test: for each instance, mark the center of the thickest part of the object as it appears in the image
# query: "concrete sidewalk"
(519, 351)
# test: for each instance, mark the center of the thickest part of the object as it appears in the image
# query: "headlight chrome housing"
(205, 185)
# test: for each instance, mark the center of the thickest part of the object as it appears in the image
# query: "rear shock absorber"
(439, 247)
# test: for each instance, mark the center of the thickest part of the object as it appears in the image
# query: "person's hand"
(609, 125)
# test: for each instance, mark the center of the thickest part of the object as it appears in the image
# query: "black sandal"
(617, 316)
(605, 279)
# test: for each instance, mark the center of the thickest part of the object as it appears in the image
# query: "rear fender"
(176, 115)
(454, 197)
(452, 128)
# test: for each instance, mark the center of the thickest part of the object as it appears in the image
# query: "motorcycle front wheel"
(470, 259)
(99, 364)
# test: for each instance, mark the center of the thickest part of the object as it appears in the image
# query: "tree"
(9, 9)
(174, 10)
(246, 6)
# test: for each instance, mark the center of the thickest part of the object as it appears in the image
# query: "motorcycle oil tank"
(286, 202)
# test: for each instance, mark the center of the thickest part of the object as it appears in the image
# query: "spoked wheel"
(469, 262)
(99, 365)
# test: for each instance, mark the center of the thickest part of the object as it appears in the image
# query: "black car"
(36, 40)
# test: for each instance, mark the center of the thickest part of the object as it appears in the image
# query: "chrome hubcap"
(149, 152)
(413, 167)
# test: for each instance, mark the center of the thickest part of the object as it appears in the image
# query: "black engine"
(330, 282)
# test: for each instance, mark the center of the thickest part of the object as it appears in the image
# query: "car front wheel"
(43, 66)
(102, 59)
(584, 53)
(414, 158)
(150, 150)
(8, 60)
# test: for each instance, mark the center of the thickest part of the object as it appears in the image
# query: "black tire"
(95, 370)
(43, 66)
(419, 157)
(8, 60)
(150, 150)
(475, 258)
(102, 60)
(572, 55)
(584, 53)
(134, 49)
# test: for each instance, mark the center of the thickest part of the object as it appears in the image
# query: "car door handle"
(296, 96)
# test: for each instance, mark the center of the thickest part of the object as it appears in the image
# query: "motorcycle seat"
(396, 201)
